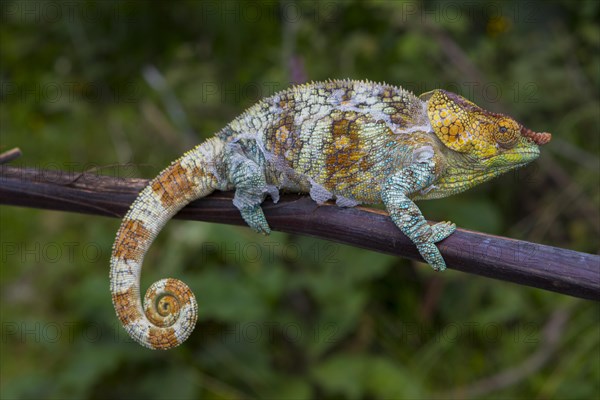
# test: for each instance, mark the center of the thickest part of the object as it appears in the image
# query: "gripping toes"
(442, 230)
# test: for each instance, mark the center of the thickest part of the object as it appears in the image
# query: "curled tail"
(170, 309)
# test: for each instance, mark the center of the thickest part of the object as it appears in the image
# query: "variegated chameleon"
(352, 141)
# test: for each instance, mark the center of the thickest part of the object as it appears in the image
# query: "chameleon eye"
(505, 136)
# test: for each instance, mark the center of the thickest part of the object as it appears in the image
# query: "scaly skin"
(355, 142)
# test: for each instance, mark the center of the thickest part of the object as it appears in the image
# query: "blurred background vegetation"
(122, 88)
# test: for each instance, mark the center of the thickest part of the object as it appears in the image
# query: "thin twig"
(10, 155)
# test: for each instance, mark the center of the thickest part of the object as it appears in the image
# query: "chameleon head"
(494, 141)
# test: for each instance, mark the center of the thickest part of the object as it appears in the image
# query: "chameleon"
(355, 142)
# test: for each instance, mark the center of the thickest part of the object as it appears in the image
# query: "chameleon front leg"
(407, 216)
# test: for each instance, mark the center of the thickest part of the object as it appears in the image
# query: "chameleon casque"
(352, 141)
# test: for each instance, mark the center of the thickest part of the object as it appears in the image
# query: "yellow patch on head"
(466, 128)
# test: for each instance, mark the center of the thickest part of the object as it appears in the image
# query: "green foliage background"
(287, 316)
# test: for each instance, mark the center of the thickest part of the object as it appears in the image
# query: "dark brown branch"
(546, 267)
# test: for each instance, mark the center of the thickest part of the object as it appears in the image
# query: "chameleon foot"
(255, 218)
(442, 230)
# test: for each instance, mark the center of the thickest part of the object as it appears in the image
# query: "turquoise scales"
(349, 141)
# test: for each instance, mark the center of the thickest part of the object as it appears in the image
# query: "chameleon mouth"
(538, 138)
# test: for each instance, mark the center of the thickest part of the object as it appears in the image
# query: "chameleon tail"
(170, 309)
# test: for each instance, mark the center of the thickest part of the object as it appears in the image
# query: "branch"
(551, 268)
(10, 155)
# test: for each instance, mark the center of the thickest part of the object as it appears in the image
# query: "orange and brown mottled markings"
(126, 306)
(178, 289)
(174, 181)
(398, 118)
(282, 137)
(399, 113)
(130, 236)
(344, 155)
(347, 95)
(287, 102)
(162, 308)
(162, 338)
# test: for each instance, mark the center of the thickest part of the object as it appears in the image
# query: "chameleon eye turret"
(507, 133)
(349, 141)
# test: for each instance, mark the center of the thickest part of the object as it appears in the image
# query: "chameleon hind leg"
(251, 189)
(407, 216)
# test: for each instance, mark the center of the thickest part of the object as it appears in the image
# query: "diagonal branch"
(551, 268)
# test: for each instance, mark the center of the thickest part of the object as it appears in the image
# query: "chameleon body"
(349, 141)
